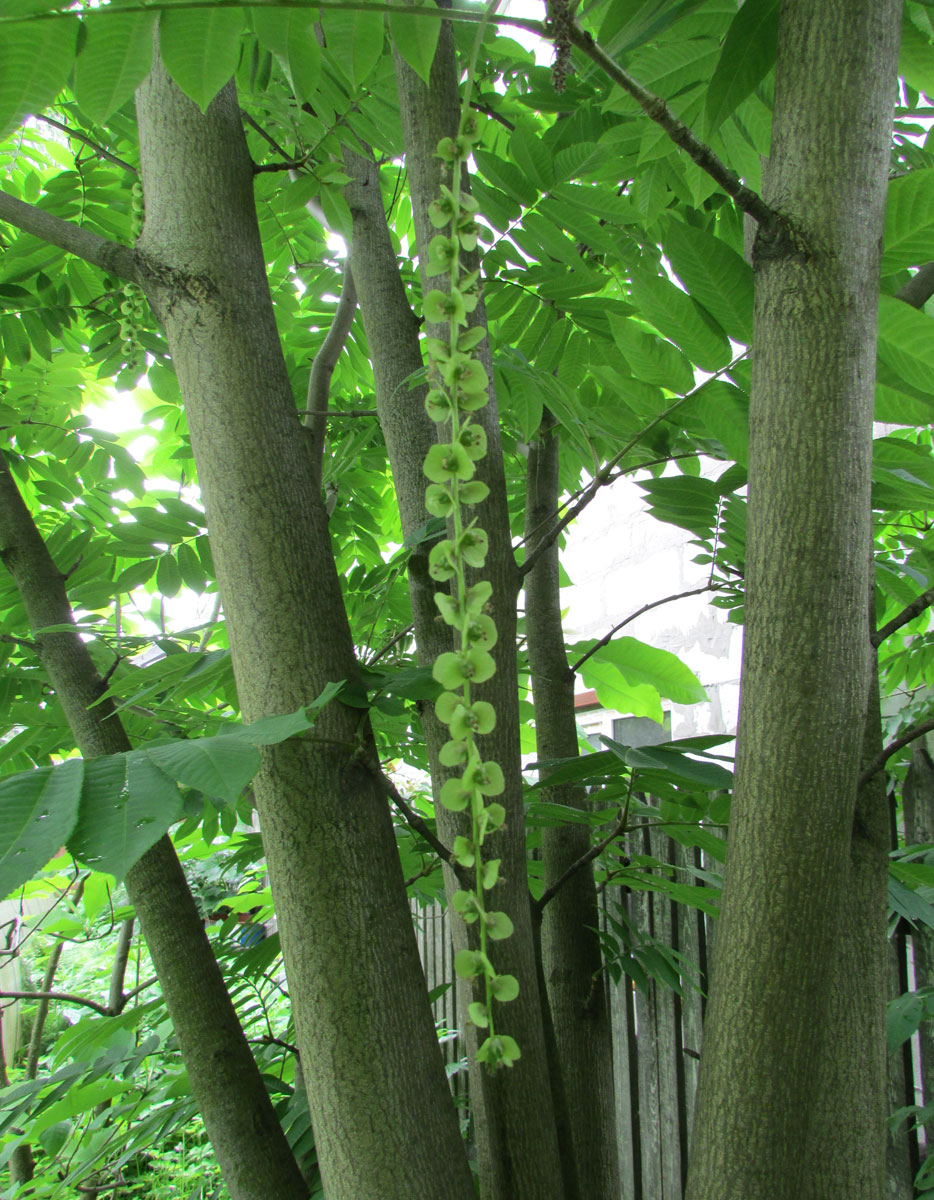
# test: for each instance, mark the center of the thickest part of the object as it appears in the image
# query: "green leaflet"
(909, 221)
(416, 38)
(290, 35)
(114, 60)
(355, 41)
(35, 60)
(715, 276)
(747, 56)
(38, 810)
(680, 318)
(200, 48)
(111, 810)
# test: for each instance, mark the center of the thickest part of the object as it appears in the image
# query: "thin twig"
(330, 414)
(389, 645)
(908, 613)
(70, 999)
(919, 288)
(607, 638)
(83, 137)
(893, 747)
(655, 107)
(621, 827)
(606, 474)
(421, 827)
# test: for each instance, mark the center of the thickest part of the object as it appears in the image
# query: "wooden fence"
(657, 1034)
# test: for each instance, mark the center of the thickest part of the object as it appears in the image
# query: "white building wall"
(619, 558)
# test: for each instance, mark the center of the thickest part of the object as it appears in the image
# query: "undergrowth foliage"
(459, 389)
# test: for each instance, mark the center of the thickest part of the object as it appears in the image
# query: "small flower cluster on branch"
(459, 389)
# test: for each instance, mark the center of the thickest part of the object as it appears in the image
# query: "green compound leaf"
(448, 461)
(38, 810)
(504, 987)
(35, 60)
(478, 1014)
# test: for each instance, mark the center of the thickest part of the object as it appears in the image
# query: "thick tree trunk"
(806, 671)
(571, 958)
(847, 1140)
(251, 1149)
(380, 1105)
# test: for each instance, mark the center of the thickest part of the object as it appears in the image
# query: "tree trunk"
(571, 958)
(250, 1147)
(381, 1109)
(918, 797)
(763, 1087)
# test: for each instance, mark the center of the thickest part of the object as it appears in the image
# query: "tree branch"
(606, 476)
(619, 828)
(83, 137)
(105, 1010)
(422, 828)
(607, 638)
(919, 288)
(908, 613)
(893, 747)
(112, 257)
(655, 107)
(319, 380)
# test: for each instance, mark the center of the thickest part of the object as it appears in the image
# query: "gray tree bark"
(766, 1089)
(251, 1149)
(570, 946)
(380, 1105)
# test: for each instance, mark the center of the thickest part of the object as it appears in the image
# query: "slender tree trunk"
(571, 958)
(918, 797)
(251, 1149)
(763, 1088)
(384, 1123)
